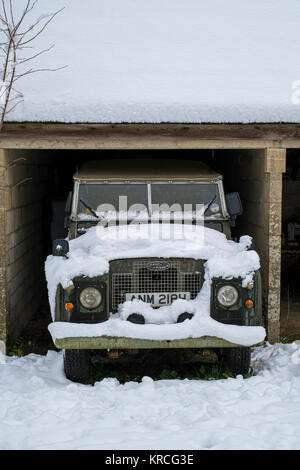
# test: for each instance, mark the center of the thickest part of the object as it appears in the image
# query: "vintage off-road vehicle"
(156, 280)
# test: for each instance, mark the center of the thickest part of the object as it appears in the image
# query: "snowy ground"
(41, 409)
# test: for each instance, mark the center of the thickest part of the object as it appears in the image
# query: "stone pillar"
(3, 247)
(274, 167)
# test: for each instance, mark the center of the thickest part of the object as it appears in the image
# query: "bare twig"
(9, 110)
(53, 15)
(22, 61)
(29, 72)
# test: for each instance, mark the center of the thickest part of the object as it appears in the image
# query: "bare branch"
(11, 13)
(29, 72)
(30, 28)
(13, 107)
(25, 12)
(4, 11)
(36, 55)
(53, 15)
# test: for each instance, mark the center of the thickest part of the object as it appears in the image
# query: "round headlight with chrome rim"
(90, 298)
(227, 296)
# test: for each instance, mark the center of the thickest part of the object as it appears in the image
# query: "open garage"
(290, 256)
(37, 164)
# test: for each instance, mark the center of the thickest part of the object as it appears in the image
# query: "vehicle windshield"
(186, 196)
(106, 198)
(97, 199)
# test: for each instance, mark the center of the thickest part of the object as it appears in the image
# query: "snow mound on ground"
(90, 255)
(41, 409)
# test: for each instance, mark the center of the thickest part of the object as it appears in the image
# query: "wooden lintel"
(148, 136)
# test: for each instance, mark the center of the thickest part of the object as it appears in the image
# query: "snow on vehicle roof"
(146, 170)
(165, 61)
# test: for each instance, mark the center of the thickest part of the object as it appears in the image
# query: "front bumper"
(112, 342)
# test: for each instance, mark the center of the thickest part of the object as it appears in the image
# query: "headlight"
(214, 208)
(227, 296)
(90, 298)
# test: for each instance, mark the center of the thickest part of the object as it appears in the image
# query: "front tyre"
(77, 365)
(238, 360)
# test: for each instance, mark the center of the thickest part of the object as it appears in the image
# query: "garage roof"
(166, 61)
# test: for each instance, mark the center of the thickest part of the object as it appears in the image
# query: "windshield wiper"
(210, 203)
(89, 208)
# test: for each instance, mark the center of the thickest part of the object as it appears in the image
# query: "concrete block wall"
(257, 176)
(24, 186)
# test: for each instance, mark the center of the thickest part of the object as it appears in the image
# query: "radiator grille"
(142, 279)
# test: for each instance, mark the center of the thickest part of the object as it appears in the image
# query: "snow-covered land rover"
(150, 263)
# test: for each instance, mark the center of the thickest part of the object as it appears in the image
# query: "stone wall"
(24, 186)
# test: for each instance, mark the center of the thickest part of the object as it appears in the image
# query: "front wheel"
(238, 360)
(77, 365)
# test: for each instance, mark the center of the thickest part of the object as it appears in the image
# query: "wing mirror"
(60, 248)
(234, 206)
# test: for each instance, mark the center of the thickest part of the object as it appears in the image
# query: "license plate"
(157, 299)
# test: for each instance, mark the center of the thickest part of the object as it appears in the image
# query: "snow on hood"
(90, 254)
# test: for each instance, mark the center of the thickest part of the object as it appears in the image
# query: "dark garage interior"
(40, 182)
(37, 185)
(290, 257)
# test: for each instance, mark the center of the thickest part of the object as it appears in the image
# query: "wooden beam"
(149, 136)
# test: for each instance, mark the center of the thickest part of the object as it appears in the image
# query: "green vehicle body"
(189, 269)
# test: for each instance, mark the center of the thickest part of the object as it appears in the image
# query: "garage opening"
(36, 187)
(290, 257)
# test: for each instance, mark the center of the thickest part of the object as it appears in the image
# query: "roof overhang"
(148, 136)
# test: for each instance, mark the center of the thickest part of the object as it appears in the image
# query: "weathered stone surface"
(274, 167)
(3, 250)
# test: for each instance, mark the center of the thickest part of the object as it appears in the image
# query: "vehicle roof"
(143, 170)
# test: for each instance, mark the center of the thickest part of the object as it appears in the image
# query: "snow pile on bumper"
(90, 255)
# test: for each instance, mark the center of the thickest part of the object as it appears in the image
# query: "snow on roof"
(166, 61)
